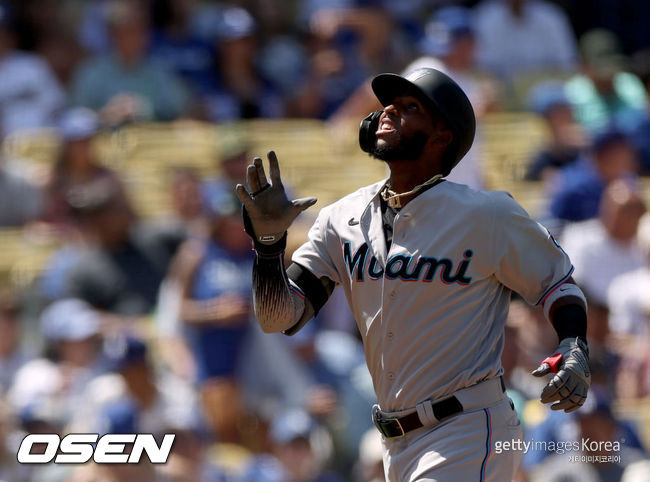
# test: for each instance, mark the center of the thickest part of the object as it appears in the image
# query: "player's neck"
(405, 185)
(404, 176)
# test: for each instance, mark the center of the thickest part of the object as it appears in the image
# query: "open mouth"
(385, 126)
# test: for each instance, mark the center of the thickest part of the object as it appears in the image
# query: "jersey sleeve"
(528, 260)
(318, 253)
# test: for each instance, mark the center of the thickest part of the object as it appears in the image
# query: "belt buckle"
(386, 425)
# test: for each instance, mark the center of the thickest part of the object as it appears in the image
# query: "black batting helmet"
(441, 95)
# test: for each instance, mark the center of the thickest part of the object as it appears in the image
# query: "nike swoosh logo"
(564, 288)
(352, 222)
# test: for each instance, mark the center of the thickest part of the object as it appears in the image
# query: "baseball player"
(428, 267)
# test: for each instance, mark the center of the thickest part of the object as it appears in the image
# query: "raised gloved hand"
(570, 384)
(269, 211)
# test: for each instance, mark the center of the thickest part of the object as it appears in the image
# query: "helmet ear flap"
(368, 130)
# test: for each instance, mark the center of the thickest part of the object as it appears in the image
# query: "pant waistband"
(430, 413)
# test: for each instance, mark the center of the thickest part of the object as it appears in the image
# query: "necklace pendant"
(394, 202)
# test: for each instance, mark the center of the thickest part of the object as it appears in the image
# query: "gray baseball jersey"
(431, 310)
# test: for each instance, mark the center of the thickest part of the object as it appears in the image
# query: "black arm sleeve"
(570, 321)
(310, 284)
(277, 306)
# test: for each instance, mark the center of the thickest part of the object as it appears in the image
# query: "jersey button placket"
(398, 230)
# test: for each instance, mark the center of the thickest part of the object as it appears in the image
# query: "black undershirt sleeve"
(570, 321)
(310, 285)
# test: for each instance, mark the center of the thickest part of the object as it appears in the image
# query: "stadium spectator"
(370, 466)
(299, 452)
(626, 18)
(21, 199)
(156, 400)
(47, 28)
(347, 41)
(192, 459)
(121, 269)
(76, 166)
(72, 333)
(274, 377)
(580, 185)
(30, 94)
(517, 38)
(548, 100)
(532, 337)
(450, 39)
(39, 402)
(186, 196)
(92, 32)
(604, 94)
(178, 48)
(640, 133)
(605, 357)
(12, 354)
(38, 397)
(187, 221)
(595, 422)
(356, 26)
(187, 216)
(239, 91)
(233, 157)
(628, 295)
(126, 84)
(628, 299)
(71, 330)
(10, 469)
(606, 247)
(215, 308)
(118, 417)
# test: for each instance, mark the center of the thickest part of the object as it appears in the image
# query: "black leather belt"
(398, 426)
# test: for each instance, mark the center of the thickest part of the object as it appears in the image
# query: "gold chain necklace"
(393, 199)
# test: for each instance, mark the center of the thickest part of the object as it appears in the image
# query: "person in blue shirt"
(215, 309)
(126, 84)
(180, 49)
(581, 184)
(548, 100)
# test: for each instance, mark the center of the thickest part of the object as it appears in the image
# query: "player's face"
(404, 129)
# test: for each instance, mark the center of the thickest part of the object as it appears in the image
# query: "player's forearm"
(568, 313)
(277, 306)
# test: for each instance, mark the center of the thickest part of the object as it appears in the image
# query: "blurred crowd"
(145, 324)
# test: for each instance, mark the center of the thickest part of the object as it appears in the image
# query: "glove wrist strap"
(271, 250)
(577, 341)
(267, 245)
